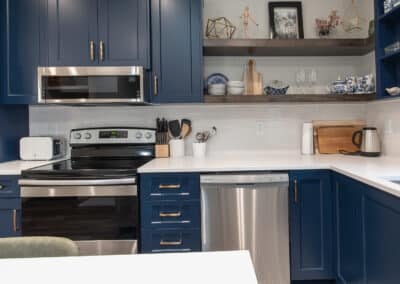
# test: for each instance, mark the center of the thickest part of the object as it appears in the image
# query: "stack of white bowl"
(235, 87)
(217, 89)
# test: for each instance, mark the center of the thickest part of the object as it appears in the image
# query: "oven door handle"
(90, 182)
(78, 191)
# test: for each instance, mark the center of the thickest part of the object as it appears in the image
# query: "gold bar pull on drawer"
(169, 186)
(171, 214)
(15, 226)
(169, 243)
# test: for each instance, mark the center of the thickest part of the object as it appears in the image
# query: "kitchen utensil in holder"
(199, 150)
(177, 148)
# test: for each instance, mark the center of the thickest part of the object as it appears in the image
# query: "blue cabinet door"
(23, 49)
(382, 235)
(349, 229)
(72, 27)
(177, 50)
(124, 32)
(10, 216)
(311, 225)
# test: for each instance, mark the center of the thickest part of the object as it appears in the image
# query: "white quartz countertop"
(14, 168)
(371, 171)
(178, 268)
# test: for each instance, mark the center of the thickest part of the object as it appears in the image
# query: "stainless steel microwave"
(90, 85)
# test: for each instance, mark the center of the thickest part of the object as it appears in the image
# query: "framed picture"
(286, 20)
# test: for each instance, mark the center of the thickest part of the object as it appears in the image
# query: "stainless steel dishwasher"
(249, 212)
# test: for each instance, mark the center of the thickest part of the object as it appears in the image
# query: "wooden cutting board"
(252, 80)
(333, 137)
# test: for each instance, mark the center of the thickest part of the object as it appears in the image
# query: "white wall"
(386, 116)
(312, 9)
(237, 124)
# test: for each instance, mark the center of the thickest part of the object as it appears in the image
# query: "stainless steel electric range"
(92, 197)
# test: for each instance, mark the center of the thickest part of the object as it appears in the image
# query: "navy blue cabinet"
(349, 229)
(10, 207)
(91, 32)
(170, 213)
(23, 49)
(177, 51)
(311, 225)
(381, 213)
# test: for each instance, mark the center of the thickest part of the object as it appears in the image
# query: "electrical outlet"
(260, 127)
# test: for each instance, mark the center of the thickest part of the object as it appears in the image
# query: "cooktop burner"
(87, 169)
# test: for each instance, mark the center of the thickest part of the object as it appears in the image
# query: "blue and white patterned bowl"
(276, 88)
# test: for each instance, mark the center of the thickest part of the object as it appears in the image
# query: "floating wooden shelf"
(290, 98)
(300, 47)
(394, 14)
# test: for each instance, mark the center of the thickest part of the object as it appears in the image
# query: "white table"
(183, 268)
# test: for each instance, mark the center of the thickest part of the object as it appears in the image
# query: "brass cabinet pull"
(172, 214)
(101, 50)
(167, 243)
(155, 85)
(15, 226)
(91, 44)
(169, 186)
(296, 192)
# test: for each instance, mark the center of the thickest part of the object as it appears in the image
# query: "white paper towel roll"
(308, 139)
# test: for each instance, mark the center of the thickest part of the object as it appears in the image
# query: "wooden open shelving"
(314, 98)
(296, 47)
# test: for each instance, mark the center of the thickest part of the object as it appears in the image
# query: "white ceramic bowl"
(217, 86)
(216, 92)
(238, 84)
(235, 91)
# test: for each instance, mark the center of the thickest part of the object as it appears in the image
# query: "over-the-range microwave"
(91, 85)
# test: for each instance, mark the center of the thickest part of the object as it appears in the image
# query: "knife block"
(162, 151)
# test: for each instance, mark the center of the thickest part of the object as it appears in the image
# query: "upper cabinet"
(93, 32)
(177, 51)
(22, 50)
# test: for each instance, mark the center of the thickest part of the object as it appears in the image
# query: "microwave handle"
(155, 81)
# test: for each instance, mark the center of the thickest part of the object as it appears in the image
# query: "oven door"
(90, 85)
(100, 216)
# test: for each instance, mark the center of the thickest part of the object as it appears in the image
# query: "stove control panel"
(113, 136)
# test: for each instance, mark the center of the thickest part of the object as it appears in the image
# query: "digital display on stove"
(114, 134)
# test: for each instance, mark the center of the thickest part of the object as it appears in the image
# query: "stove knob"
(88, 136)
(148, 135)
(139, 135)
(77, 135)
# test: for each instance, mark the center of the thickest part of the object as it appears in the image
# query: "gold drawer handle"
(296, 192)
(172, 214)
(15, 227)
(169, 186)
(167, 243)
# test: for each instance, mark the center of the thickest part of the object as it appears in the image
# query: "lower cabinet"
(367, 231)
(170, 213)
(311, 225)
(10, 207)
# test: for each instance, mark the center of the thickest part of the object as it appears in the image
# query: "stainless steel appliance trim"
(244, 178)
(244, 212)
(98, 182)
(90, 71)
(77, 191)
(106, 247)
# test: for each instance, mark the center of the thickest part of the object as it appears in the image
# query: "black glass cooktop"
(105, 168)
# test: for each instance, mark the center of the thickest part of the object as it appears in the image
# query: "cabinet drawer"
(9, 186)
(168, 214)
(156, 241)
(170, 187)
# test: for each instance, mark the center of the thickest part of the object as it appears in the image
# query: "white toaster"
(41, 148)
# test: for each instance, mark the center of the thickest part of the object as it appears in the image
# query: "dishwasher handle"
(244, 179)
